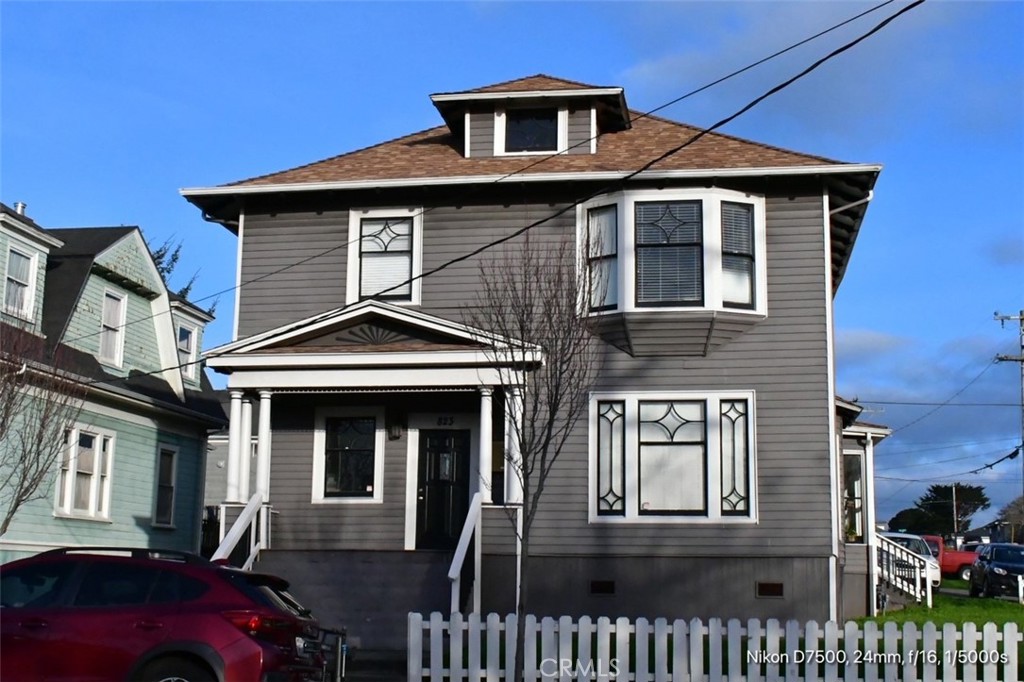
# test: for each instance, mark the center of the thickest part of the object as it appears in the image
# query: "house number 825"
(445, 421)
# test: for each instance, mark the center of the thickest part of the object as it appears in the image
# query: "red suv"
(151, 615)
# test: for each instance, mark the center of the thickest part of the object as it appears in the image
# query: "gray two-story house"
(705, 480)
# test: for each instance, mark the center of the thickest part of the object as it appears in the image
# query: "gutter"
(866, 199)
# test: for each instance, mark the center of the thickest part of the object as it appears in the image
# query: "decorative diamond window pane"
(672, 422)
(386, 257)
(531, 130)
(735, 468)
(672, 478)
(674, 222)
(386, 234)
(611, 458)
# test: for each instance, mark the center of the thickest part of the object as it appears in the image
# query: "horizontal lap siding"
(579, 131)
(273, 242)
(481, 134)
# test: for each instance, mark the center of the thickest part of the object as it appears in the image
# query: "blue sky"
(108, 109)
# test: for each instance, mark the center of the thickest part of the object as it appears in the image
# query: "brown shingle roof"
(540, 81)
(435, 153)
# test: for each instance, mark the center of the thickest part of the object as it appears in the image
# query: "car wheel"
(972, 590)
(965, 573)
(177, 670)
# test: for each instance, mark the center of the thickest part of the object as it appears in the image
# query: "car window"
(172, 587)
(1008, 555)
(933, 547)
(116, 584)
(33, 586)
(262, 593)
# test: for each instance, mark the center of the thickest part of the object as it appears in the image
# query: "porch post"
(234, 438)
(263, 447)
(513, 456)
(485, 465)
(245, 450)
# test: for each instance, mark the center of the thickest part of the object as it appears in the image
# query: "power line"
(937, 461)
(948, 446)
(918, 403)
(946, 402)
(980, 469)
(533, 164)
(621, 181)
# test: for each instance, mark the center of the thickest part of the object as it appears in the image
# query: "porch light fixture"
(395, 426)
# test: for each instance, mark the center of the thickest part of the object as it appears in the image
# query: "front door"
(443, 492)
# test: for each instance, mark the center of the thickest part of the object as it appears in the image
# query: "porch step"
(369, 593)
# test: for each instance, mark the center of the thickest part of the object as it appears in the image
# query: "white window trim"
(160, 448)
(319, 446)
(632, 398)
(355, 217)
(117, 361)
(188, 370)
(712, 199)
(95, 494)
(28, 311)
(563, 134)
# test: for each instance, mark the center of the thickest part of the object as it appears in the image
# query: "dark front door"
(443, 492)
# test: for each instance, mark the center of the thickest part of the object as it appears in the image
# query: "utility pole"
(1019, 359)
(956, 530)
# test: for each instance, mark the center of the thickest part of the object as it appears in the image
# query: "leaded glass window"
(385, 254)
(611, 462)
(531, 130)
(669, 253)
(672, 457)
(735, 458)
(737, 255)
(602, 257)
(349, 456)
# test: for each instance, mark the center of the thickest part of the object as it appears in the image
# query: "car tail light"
(284, 632)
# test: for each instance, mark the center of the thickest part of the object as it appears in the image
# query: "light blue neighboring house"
(132, 473)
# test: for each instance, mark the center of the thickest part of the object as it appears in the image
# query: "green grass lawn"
(954, 609)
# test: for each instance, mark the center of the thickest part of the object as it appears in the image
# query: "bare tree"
(533, 296)
(39, 402)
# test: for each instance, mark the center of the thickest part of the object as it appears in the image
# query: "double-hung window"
(166, 477)
(669, 253)
(682, 455)
(19, 284)
(83, 487)
(112, 328)
(187, 350)
(602, 257)
(385, 255)
(348, 455)
(737, 255)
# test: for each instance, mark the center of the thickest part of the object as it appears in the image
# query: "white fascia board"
(372, 378)
(520, 94)
(824, 169)
(878, 432)
(29, 232)
(190, 312)
(396, 313)
(427, 358)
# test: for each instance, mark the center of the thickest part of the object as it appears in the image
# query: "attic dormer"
(538, 115)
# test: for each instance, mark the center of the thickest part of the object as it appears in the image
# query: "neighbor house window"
(348, 455)
(680, 455)
(385, 260)
(187, 350)
(112, 328)
(531, 130)
(687, 248)
(166, 475)
(83, 487)
(853, 497)
(20, 284)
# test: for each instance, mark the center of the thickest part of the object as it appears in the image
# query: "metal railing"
(471, 528)
(903, 570)
(254, 521)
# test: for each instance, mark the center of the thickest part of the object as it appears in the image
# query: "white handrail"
(471, 526)
(905, 570)
(238, 528)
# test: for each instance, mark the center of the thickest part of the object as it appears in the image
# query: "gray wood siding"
(579, 131)
(272, 242)
(481, 134)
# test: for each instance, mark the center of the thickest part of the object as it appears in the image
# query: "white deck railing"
(903, 570)
(255, 516)
(477, 648)
(473, 526)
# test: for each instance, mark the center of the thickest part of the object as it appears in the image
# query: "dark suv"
(141, 614)
(996, 569)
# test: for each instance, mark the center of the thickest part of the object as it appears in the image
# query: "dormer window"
(531, 130)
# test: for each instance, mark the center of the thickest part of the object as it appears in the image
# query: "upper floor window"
(187, 350)
(675, 248)
(677, 454)
(20, 284)
(531, 130)
(83, 488)
(386, 260)
(112, 328)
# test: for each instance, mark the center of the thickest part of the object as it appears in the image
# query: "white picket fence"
(474, 649)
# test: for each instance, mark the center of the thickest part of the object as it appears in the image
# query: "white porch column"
(245, 450)
(484, 483)
(263, 447)
(513, 456)
(234, 438)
